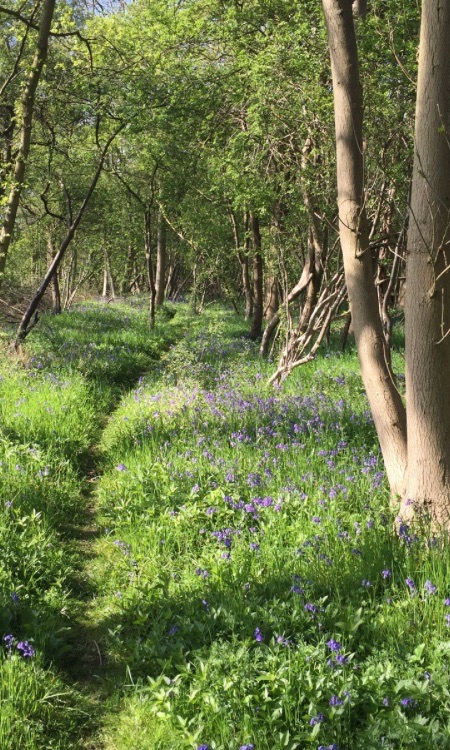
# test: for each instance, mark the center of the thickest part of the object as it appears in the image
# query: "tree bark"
(385, 402)
(242, 253)
(256, 328)
(56, 293)
(149, 260)
(27, 105)
(161, 259)
(427, 302)
(272, 297)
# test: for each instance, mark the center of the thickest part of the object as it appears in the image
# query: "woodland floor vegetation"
(192, 558)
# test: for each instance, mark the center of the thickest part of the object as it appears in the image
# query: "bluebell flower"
(26, 649)
(334, 645)
(408, 702)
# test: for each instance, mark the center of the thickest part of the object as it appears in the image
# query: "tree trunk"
(161, 259)
(272, 302)
(149, 259)
(315, 265)
(27, 105)
(56, 294)
(242, 253)
(427, 302)
(256, 328)
(385, 402)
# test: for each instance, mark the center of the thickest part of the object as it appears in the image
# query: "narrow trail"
(87, 665)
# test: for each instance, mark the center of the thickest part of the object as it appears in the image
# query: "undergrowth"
(244, 586)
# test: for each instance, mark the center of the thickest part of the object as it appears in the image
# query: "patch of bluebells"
(23, 647)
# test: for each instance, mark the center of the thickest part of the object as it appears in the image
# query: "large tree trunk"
(27, 105)
(258, 293)
(385, 402)
(161, 259)
(272, 297)
(427, 303)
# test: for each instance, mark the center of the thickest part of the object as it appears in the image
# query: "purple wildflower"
(258, 635)
(316, 719)
(334, 645)
(430, 588)
(8, 640)
(336, 701)
(282, 641)
(386, 573)
(121, 467)
(408, 702)
(26, 649)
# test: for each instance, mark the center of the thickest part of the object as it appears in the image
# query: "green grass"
(222, 580)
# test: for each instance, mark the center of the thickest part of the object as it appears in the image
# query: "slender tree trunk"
(56, 294)
(385, 402)
(27, 105)
(242, 253)
(128, 271)
(149, 259)
(258, 294)
(315, 264)
(161, 259)
(109, 276)
(427, 303)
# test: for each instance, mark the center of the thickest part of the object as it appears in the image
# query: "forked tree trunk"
(427, 303)
(26, 114)
(385, 402)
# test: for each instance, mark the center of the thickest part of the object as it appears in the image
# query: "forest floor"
(194, 559)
